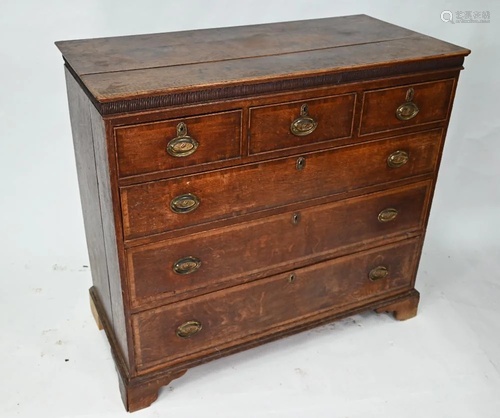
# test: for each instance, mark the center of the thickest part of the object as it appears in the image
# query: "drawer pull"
(184, 203)
(188, 329)
(378, 273)
(407, 110)
(387, 215)
(304, 124)
(187, 265)
(397, 159)
(182, 145)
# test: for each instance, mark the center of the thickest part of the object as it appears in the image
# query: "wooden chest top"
(132, 73)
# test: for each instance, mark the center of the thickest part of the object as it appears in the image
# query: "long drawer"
(205, 324)
(205, 260)
(161, 206)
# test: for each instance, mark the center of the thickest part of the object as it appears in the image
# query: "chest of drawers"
(243, 184)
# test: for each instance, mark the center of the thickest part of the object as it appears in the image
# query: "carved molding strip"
(237, 91)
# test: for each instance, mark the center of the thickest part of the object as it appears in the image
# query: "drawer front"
(178, 143)
(221, 319)
(201, 260)
(400, 107)
(182, 202)
(300, 123)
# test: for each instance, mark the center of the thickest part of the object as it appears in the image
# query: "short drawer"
(203, 325)
(400, 107)
(178, 143)
(226, 255)
(300, 123)
(161, 206)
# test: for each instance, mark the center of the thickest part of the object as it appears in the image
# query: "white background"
(444, 363)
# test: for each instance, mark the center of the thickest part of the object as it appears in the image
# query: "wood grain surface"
(242, 312)
(123, 53)
(233, 192)
(379, 106)
(270, 125)
(314, 233)
(125, 68)
(143, 148)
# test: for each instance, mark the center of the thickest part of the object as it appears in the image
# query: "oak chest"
(243, 184)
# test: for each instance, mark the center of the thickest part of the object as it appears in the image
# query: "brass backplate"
(397, 159)
(187, 265)
(184, 203)
(387, 215)
(304, 124)
(182, 145)
(188, 329)
(378, 273)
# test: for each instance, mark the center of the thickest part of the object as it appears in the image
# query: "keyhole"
(292, 278)
(409, 94)
(295, 218)
(181, 129)
(300, 164)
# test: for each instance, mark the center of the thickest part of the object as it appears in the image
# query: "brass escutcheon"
(407, 110)
(378, 273)
(292, 277)
(182, 145)
(184, 203)
(187, 265)
(397, 159)
(295, 218)
(304, 124)
(188, 329)
(300, 163)
(387, 215)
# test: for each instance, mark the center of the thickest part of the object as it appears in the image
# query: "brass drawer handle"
(397, 159)
(187, 265)
(184, 203)
(378, 273)
(182, 145)
(387, 215)
(407, 110)
(304, 124)
(188, 329)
